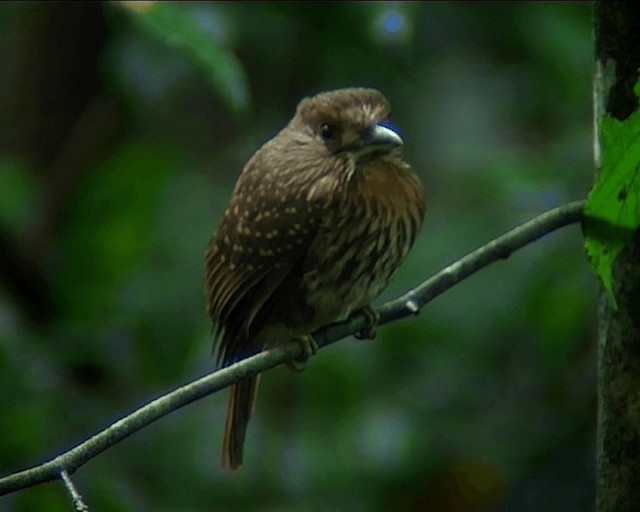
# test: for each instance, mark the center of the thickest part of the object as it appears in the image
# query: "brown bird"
(319, 220)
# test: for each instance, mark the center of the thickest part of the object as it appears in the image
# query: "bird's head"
(346, 121)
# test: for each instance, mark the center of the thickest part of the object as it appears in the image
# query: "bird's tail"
(241, 401)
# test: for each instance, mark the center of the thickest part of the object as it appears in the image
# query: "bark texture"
(617, 47)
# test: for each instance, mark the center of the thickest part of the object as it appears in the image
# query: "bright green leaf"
(612, 212)
(174, 26)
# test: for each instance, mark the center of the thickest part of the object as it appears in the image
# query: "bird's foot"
(372, 318)
(309, 348)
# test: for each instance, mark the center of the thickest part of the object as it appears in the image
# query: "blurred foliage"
(122, 130)
(192, 36)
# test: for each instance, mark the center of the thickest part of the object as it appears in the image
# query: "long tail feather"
(240, 406)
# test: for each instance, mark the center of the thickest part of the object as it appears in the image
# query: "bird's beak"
(379, 138)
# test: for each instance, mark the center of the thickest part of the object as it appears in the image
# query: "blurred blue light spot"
(393, 22)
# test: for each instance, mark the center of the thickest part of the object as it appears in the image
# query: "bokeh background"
(122, 130)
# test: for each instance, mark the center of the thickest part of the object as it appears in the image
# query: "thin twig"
(78, 504)
(406, 305)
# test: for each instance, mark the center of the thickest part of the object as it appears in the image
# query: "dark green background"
(122, 131)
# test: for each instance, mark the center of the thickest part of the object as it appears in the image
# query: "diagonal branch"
(408, 304)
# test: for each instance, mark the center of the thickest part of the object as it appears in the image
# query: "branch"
(408, 304)
(78, 504)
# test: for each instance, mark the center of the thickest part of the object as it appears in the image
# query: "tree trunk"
(617, 46)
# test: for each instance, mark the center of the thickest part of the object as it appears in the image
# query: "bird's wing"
(258, 249)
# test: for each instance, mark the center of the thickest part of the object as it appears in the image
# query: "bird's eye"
(327, 132)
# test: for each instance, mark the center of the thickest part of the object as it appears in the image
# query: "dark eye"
(327, 132)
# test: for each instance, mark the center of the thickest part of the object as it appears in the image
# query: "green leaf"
(177, 28)
(109, 228)
(17, 192)
(612, 211)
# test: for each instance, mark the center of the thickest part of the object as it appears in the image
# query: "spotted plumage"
(320, 218)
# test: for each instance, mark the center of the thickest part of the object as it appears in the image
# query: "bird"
(320, 218)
